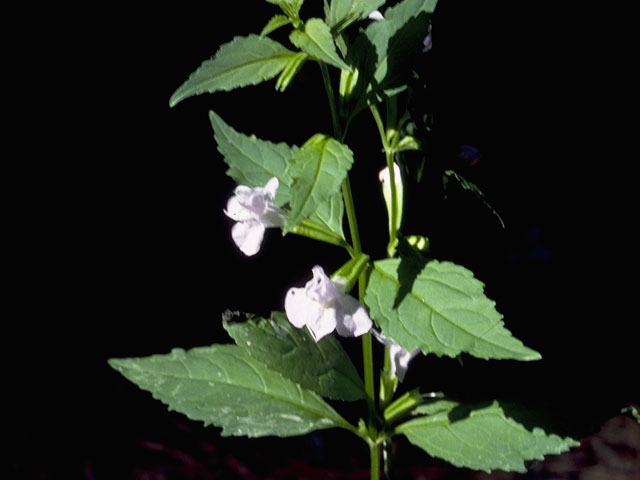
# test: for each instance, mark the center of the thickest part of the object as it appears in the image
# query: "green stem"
(374, 453)
(389, 154)
(335, 121)
(367, 349)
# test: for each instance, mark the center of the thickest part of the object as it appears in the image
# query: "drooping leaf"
(243, 61)
(322, 367)
(316, 40)
(342, 13)
(440, 308)
(252, 162)
(223, 386)
(318, 169)
(480, 437)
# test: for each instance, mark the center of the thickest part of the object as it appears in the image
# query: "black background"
(121, 247)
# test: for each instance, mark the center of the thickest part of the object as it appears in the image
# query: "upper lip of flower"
(323, 306)
(255, 210)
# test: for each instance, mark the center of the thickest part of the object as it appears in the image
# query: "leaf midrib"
(340, 421)
(422, 301)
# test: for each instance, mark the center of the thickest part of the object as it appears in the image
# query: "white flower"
(376, 16)
(427, 42)
(323, 306)
(400, 357)
(254, 210)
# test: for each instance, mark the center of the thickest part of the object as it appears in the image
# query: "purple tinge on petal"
(248, 236)
(428, 41)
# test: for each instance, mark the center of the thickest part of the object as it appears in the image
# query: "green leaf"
(290, 7)
(480, 437)
(252, 162)
(223, 386)
(440, 308)
(241, 62)
(322, 367)
(329, 214)
(317, 169)
(317, 41)
(276, 22)
(342, 13)
(291, 70)
(384, 53)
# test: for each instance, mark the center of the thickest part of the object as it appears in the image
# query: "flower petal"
(248, 236)
(320, 288)
(352, 318)
(322, 324)
(297, 305)
(302, 310)
(272, 187)
(237, 210)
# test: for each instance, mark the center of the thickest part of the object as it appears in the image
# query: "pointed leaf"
(223, 386)
(440, 308)
(329, 214)
(276, 22)
(317, 169)
(241, 62)
(342, 13)
(385, 51)
(252, 162)
(291, 70)
(480, 437)
(317, 41)
(322, 367)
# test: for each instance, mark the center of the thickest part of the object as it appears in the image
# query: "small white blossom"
(323, 307)
(400, 357)
(427, 42)
(254, 211)
(376, 16)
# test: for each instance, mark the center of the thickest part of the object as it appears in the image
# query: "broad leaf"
(398, 39)
(342, 13)
(252, 162)
(384, 52)
(329, 214)
(223, 386)
(322, 367)
(317, 169)
(480, 437)
(317, 41)
(440, 308)
(243, 61)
